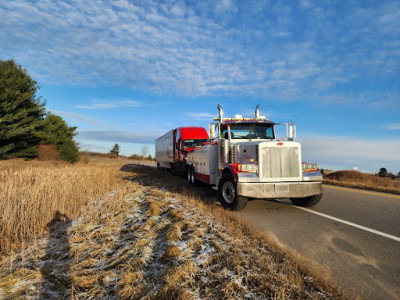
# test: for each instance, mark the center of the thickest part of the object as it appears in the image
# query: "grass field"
(138, 234)
(32, 192)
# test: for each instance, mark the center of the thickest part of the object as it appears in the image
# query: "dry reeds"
(361, 180)
(160, 242)
(32, 192)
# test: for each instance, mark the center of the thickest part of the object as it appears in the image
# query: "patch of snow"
(204, 255)
(22, 285)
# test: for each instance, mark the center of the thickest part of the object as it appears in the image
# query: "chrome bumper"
(279, 190)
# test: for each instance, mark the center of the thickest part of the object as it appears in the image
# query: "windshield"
(193, 143)
(249, 131)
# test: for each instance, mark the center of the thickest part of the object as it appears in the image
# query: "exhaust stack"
(258, 111)
(221, 113)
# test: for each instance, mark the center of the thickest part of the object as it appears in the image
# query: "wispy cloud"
(101, 104)
(204, 48)
(119, 136)
(194, 49)
(72, 117)
(391, 126)
(201, 116)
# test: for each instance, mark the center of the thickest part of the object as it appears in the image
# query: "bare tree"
(144, 151)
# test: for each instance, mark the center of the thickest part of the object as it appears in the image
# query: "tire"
(173, 169)
(307, 201)
(227, 194)
(189, 175)
(192, 176)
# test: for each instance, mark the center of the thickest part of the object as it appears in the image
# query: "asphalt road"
(352, 237)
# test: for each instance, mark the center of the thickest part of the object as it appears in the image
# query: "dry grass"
(361, 180)
(32, 192)
(162, 241)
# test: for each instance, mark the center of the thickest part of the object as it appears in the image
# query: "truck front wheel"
(191, 178)
(227, 194)
(307, 201)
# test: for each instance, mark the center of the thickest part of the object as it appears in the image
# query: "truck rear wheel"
(307, 201)
(227, 194)
(189, 174)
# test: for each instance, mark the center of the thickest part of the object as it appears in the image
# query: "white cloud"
(101, 104)
(202, 116)
(117, 136)
(391, 126)
(197, 49)
(72, 117)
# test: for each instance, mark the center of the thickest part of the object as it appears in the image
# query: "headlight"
(250, 168)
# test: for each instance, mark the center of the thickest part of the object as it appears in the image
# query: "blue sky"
(128, 71)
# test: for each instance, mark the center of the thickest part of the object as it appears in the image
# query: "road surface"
(352, 236)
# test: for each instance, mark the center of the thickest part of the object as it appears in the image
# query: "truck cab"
(244, 159)
(172, 147)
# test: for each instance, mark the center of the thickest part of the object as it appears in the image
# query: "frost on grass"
(155, 243)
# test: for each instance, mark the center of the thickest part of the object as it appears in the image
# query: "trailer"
(244, 160)
(172, 147)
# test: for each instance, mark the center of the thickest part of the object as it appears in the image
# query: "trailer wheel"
(189, 174)
(307, 201)
(173, 169)
(227, 194)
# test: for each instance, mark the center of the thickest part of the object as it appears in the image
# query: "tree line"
(143, 153)
(24, 122)
(384, 173)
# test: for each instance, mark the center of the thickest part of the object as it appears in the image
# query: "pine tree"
(55, 131)
(21, 112)
(115, 150)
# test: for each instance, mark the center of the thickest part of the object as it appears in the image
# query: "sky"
(126, 72)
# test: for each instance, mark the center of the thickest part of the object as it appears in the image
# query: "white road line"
(389, 236)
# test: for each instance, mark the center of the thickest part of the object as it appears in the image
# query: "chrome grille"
(280, 162)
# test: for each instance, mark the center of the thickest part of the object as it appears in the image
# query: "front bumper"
(279, 190)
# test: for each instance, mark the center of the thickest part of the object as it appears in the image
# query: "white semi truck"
(244, 160)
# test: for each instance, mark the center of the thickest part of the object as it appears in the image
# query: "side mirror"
(292, 131)
(212, 131)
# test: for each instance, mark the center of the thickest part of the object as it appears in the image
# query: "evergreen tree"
(56, 131)
(21, 112)
(383, 172)
(69, 151)
(115, 150)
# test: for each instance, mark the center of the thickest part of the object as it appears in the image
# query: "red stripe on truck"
(202, 177)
